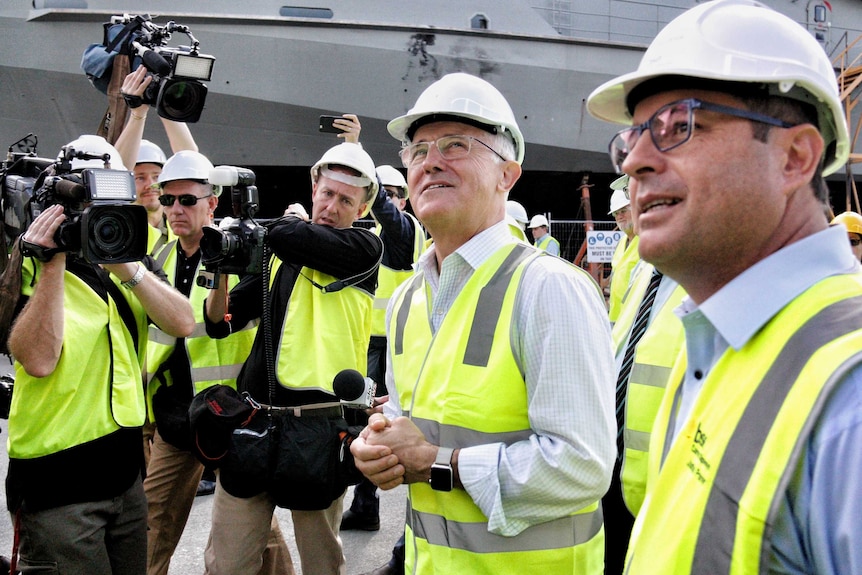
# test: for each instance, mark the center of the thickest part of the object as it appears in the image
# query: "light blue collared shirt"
(819, 520)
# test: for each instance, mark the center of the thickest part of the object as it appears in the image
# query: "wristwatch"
(442, 476)
(135, 279)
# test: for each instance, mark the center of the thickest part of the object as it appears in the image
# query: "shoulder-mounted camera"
(102, 225)
(177, 89)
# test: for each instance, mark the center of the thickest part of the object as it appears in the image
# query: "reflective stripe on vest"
(711, 504)
(459, 378)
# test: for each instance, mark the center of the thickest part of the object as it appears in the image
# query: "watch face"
(441, 477)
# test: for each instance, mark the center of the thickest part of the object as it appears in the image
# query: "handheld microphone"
(353, 389)
(153, 60)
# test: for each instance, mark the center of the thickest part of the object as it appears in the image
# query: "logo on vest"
(698, 465)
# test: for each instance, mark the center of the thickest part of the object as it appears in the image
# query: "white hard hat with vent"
(389, 176)
(538, 221)
(354, 157)
(95, 145)
(517, 212)
(464, 96)
(738, 41)
(620, 197)
(188, 165)
(618, 201)
(149, 153)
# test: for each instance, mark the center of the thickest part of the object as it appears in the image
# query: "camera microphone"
(70, 191)
(153, 60)
(353, 389)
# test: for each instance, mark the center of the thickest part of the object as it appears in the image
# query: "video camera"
(102, 226)
(237, 245)
(177, 90)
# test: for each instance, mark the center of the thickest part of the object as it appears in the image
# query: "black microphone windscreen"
(348, 384)
(70, 190)
(155, 63)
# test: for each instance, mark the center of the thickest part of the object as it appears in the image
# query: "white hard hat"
(188, 165)
(92, 144)
(517, 212)
(619, 200)
(149, 153)
(738, 41)
(466, 97)
(538, 221)
(389, 176)
(352, 156)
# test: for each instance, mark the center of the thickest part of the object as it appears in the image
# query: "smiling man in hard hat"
(732, 120)
(500, 373)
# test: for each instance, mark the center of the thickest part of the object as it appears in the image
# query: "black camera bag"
(303, 462)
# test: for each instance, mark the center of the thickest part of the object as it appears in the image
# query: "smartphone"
(326, 124)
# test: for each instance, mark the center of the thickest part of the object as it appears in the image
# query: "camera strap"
(123, 307)
(351, 281)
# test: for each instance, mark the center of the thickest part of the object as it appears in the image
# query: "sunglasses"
(167, 200)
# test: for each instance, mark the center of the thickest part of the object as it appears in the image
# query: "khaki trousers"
(239, 530)
(170, 487)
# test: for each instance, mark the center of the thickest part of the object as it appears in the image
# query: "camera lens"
(182, 100)
(115, 233)
(218, 245)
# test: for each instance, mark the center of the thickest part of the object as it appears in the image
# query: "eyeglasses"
(390, 194)
(673, 125)
(167, 200)
(450, 147)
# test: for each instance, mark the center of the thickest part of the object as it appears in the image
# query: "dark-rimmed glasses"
(167, 200)
(450, 148)
(673, 125)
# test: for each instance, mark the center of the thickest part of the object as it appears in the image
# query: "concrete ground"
(364, 550)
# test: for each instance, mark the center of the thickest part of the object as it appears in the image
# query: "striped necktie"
(638, 329)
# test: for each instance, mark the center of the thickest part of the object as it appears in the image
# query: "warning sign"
(601, 245)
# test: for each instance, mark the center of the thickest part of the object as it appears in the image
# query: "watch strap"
(135, 279)
(444, 456)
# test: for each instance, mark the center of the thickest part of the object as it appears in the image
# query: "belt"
(329, 409)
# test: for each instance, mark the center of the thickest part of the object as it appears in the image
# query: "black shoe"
(351, 520)
(205, 487)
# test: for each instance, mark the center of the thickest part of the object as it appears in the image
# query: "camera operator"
(320, 298)
(179, 368)
(403, 242)
(146, 157)
(78, 404)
